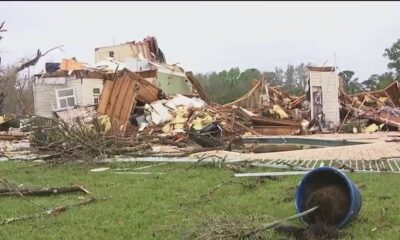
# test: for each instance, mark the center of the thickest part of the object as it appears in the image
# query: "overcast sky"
(208, 36)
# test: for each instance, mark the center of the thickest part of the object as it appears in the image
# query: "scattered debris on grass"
(11, 189)
(239, 229)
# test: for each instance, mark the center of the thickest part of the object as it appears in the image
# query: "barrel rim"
(349, 184)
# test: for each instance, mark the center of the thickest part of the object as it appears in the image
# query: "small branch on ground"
(51, 211)
(203, 157)
(245, 186)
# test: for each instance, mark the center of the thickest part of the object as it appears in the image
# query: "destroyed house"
(61, 90)
(147, 49)
(170, 78)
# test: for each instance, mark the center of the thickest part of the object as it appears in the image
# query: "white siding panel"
(77, 86)
(329, 82)
(45, 100)
(87, 90)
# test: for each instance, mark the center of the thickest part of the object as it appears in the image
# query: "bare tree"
(33, 61)
(16, 89)
(2, 30)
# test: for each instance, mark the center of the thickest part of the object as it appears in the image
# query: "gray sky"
(208, 36)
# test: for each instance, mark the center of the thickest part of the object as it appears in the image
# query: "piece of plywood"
(114, 94)
(122, 97)
(119, 98)
(105, 96)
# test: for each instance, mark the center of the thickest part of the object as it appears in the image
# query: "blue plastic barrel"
(324, 176)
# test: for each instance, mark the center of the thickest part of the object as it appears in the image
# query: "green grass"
(170, 205)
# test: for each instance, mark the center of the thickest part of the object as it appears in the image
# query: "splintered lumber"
(105, 96)
(252, 99)
(120, 95)
(197, 86)
(41, 192)
(49, 212)
(256, 120)
(247, 128)
(297, 101)
(271, 174)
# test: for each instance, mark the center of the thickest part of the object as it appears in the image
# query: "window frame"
(58, 98)
(96, 95)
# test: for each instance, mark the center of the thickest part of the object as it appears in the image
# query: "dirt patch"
(333, 202)
(330, 193)
(317, 231)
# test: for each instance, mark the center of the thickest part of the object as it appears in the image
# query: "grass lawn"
(172, 205)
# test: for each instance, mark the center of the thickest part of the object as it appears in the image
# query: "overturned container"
(338, 198)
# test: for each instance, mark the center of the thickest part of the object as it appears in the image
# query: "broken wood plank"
(197, 86)
(256, 120)
(149, 166)
(281, 166)
(271, 174)
(105, 97)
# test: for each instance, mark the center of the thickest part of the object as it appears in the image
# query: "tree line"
(227, 85)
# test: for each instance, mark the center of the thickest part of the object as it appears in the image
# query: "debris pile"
(132, 100)
(371, 111)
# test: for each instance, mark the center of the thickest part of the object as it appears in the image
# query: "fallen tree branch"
(245, 186)
(276, 223)
(1, 27)
(203, 157)
(36, 59)
(51, 211)
(41, 192)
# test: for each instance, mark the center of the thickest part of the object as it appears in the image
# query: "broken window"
(111, 54)
(96, 95)
(317, 101)
(65, 98)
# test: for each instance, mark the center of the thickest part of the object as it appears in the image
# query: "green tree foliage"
(376, 81)
(228, 85)
(350, 84)
(393, 54)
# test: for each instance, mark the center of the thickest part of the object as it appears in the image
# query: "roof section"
(148, 47)
(321, 69)
(76, 73)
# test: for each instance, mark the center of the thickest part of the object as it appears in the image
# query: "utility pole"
(335, 61)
